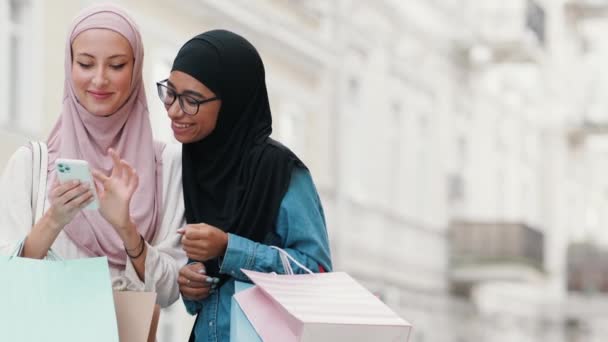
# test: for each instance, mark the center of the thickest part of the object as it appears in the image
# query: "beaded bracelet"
(140, 245)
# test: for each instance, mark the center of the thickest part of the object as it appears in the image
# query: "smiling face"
(102, 70)
(191, 128)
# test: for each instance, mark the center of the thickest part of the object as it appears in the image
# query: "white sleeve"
(16, 200)
(165, 255)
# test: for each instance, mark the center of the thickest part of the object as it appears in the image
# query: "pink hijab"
(79, 134)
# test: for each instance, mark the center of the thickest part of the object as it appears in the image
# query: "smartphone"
(76, 169)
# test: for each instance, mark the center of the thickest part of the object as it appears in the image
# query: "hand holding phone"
(76, 169)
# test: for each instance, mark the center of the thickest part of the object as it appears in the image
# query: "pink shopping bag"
(318, 307)
(137, 315)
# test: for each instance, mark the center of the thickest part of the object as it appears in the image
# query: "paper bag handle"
(40, 157)
(285, 257)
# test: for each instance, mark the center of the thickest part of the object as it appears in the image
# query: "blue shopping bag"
(56, 300)
(240, 328)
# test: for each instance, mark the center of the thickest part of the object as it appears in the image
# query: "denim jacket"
(300, 228)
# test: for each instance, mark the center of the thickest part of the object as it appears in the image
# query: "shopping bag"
(240, 327)
(137, 315)
(56, 301)
(317, 307)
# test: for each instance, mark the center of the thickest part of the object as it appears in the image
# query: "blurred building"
(456, 144)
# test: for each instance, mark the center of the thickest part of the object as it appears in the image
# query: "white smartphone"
(76, 169)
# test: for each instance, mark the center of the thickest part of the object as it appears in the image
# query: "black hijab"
(236, 177)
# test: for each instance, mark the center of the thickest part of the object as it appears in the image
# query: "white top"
(164, 256)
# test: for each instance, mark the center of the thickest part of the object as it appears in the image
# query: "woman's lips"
(99, 95)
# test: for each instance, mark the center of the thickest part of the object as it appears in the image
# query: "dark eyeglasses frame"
(160, 86)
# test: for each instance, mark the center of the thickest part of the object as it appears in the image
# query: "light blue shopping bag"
(241, 329)
(56, 300)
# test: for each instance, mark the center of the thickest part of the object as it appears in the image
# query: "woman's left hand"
(115, 193)
(203, 242)
(194, 284)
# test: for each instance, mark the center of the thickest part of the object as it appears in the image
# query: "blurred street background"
(460, 147)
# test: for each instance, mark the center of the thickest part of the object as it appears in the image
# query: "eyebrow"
(111, 57)
(187, 92)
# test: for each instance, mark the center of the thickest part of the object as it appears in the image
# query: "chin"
(101, 114)
(182, 140)
(100, 111)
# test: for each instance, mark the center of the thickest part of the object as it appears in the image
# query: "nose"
(174, 110)
(100, 79)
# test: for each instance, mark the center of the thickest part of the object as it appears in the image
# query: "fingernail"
(216, 280)
(202, 271)
(181, 231)
(210, 280)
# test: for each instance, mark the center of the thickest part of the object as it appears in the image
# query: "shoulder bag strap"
(40, 159)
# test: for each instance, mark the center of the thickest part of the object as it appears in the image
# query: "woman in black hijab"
(243, 191)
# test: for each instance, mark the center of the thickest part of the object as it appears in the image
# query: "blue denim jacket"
(301, 228)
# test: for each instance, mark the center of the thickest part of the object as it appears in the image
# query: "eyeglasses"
(187, 103)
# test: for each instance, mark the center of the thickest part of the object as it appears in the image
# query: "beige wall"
(10, 142)
(52, 32)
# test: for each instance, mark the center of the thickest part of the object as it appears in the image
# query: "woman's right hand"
(194, 284)
(66, 200)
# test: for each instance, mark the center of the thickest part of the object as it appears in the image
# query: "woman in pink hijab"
(105, 121)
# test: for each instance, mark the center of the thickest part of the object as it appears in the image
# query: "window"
(292, 125)
(455, 188)
(462, 147)
(353, 90)
(5, 29)
(14, 50)
(22, 65)
(535, 20)
(500, 195)
(394, 142)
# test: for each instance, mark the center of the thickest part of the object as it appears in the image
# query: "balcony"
(505, 32)
(494, 251)
(585, 9)
(587, 268)
(578, 134)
